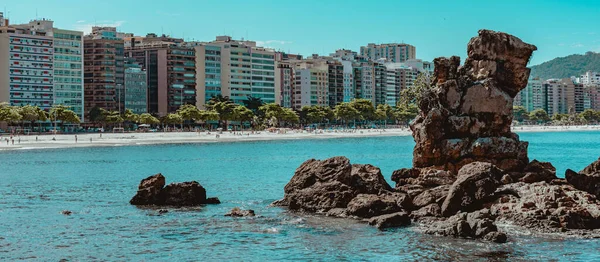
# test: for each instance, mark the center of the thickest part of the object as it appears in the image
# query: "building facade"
(170, 66)
(41, 65)
(103, 73)
(393, 52)
(136, 88)
(245, 70)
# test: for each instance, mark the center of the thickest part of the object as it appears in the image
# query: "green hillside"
(563, 67)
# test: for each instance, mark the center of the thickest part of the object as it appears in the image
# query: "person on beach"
(90, 139)
(75, 138)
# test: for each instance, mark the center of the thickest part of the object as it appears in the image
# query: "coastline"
(45, 141)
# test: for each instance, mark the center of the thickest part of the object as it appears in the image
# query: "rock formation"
(469, 170)
(237, 212)
(152, 191)
(587, 179)
(466, 116)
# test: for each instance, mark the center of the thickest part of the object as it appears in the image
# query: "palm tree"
(253, 103)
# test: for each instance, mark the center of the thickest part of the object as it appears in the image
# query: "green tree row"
(540, 116)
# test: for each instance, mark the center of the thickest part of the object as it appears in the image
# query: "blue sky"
(436, 28)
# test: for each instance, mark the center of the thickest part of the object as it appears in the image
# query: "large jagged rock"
(319, 186)
(476, 181)
(476, 225)
(149, 190)
(546, 207)
(152, 191)
(466, 116)
(587, 179)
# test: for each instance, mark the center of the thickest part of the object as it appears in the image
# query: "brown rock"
(318, 186)
(369, 205)
(587, 179)
(466, 116)
(237, 212)
(475, 182)
(397, 219)
(151, 191)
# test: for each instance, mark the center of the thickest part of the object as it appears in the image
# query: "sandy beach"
(47, 141)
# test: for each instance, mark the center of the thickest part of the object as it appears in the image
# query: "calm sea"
(97, 183)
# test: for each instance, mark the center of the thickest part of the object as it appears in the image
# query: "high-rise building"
(312, 81)
(245, 70)
(170, 65)
(592, 96)
(104, 75)
(392, 52)
(68, 70)
(136, 87)
(533, 96)
(589, 78)
(560, 95)
(41, 65)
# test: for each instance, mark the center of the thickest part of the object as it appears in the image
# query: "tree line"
(540, 116)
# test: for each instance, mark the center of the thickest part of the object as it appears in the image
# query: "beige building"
(236, 69)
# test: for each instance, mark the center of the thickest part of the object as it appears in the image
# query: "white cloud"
(269, 43)
(591, 33)
(86, 27)
(561, 44)
(577, 45)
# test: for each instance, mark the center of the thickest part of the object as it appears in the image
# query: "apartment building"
(393, 52)
(104, 74)
(136, 87)
(170, 66)
(41, 65)
(245, 70)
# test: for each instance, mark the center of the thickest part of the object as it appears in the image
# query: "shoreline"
(29, 142)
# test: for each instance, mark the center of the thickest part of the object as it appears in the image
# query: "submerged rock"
(237, 212)
(152, 191)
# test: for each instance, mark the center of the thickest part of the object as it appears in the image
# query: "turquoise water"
(97, 183)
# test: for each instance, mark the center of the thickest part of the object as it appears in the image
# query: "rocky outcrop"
(466, 116)
(546, 207)
(237, 212)
(337, 188)
(479, 225)
(476, 182)
(587, 179)
(152, 191)
(319, 186)
(469, 170)
(398, 219)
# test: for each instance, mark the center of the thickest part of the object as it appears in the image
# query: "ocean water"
(97, 183)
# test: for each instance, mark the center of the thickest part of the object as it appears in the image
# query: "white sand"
(125, 139)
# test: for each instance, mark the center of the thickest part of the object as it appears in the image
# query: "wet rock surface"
(470, 172)
(237, 212)
(152, 191)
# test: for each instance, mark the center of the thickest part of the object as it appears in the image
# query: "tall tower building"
(104, 70)
(41, 65)
(244, 70)
(171, 70)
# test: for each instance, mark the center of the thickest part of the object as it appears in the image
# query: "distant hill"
(564, 67)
